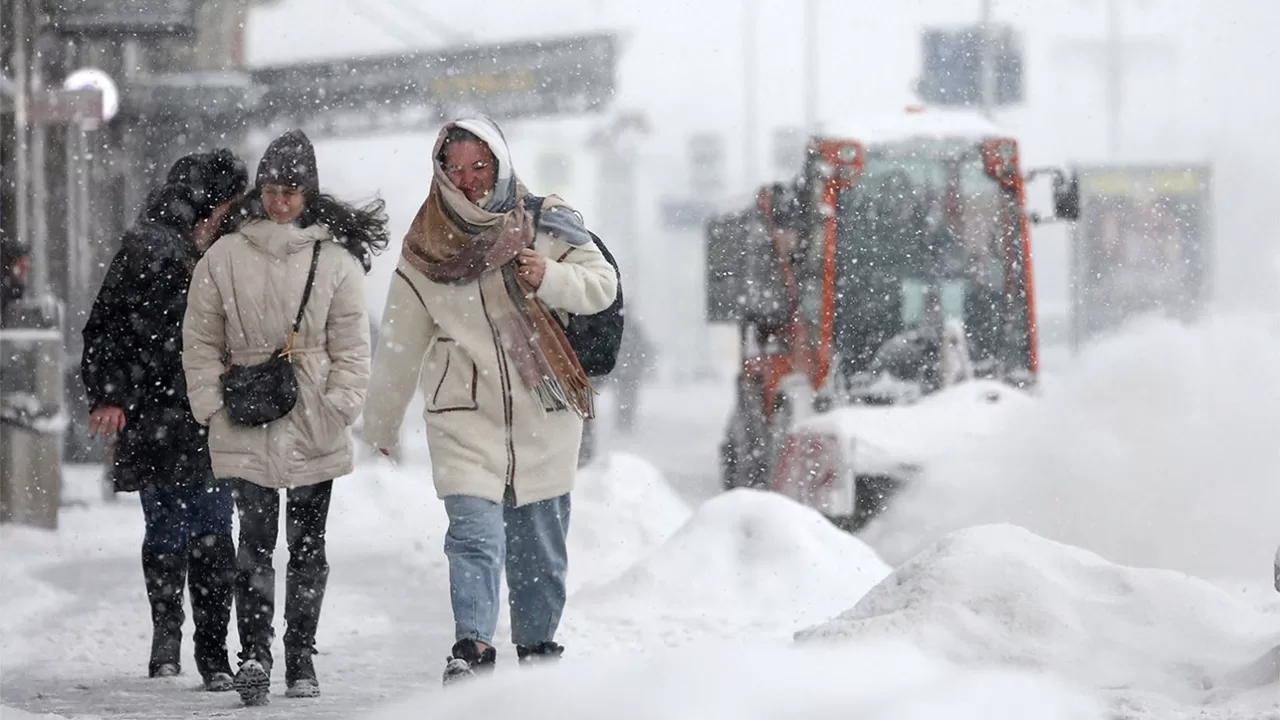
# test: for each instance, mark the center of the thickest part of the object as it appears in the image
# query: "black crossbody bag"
(263, 393)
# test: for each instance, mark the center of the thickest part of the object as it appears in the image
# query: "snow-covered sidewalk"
(1014, 581)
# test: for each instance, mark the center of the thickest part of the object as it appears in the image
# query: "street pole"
(1115, 76)
(811, 67)
(987, 50)
(38, 175)
(22, 134)
(750, 110)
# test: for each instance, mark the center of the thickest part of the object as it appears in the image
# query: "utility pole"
(37, 170)
(1115, 77)
(811, 66)
(1116, 56)
(750, 112)
(22, 133)
(987, 60)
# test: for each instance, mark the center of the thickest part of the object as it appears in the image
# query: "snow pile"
(746, 562)
(1000, 595)
(889, 681)
(887, 439)
(383, 505)
(622, 509)
(1155, 449)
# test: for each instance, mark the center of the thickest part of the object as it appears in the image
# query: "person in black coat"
(133, 377)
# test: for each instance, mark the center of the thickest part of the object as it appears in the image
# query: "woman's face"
(472, 167)
(283, 203)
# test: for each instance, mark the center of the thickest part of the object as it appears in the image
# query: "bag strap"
(306, 295)
(533, 205)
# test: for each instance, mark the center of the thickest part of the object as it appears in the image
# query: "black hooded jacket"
(133, 347)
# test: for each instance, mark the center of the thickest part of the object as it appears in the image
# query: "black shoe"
(466, 660)
(300, 673)
(542, 652)
(253, 682)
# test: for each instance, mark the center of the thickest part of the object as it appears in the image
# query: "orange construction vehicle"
(896, 263)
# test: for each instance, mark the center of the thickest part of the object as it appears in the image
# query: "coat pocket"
(450, 378)
(319, 428)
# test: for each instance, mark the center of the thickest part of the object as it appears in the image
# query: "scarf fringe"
(551, 394)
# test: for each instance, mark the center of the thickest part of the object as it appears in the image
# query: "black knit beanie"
(212, 177)
(290, 160)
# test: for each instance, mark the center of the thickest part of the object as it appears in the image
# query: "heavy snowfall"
(1104, 545)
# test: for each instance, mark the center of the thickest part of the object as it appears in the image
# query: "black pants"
(306, 515)
(188, 540)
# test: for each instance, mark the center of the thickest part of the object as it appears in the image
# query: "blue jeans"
(176, 515)
(530, 541)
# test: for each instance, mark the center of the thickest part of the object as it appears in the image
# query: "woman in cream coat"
(470, 320)
(244, 297)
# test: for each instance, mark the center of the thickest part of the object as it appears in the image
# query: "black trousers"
(306, 516)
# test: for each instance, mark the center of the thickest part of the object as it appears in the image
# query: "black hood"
(213, 178)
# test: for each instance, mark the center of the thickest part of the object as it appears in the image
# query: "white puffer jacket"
(243, 299)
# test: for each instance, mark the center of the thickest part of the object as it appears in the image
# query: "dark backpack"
(596, 338)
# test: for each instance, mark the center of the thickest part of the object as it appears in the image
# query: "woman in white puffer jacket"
(244, 298)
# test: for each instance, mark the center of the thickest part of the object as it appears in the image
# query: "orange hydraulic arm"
(842, 164)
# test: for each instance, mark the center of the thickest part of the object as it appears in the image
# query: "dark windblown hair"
(361, 230)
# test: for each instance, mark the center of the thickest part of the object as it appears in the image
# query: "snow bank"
(758, 682)
(748, 561)
(622, 509)
(1000, 595)
(1154, 449)
(383, 505)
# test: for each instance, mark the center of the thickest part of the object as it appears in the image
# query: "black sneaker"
(466, 660)
(542, 652)
(253, 682)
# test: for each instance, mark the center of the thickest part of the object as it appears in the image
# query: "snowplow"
(894, 265)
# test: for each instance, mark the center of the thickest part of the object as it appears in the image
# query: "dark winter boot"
(542, 652)
(253, 682)
(211, 562)
(300, 673)
(466, 660)
(165, 576)
(255, 609)
(304, 587)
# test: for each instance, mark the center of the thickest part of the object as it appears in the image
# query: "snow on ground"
(74, 614)
(758, 681)
(748, 563)
(622, 508)
(999, 595)
(1154, 449)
